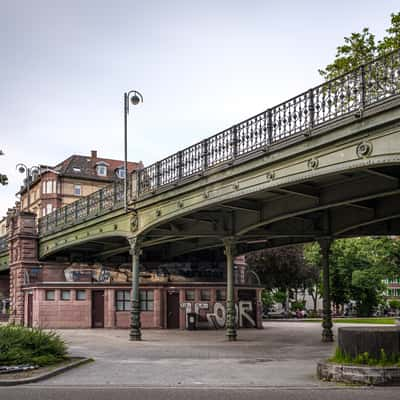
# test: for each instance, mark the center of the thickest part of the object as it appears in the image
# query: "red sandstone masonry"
(23, 255)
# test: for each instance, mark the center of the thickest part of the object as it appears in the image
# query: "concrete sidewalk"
(281, 355)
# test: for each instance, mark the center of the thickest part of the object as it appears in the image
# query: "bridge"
(320, 166)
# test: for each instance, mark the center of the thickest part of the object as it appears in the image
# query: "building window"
(65, 295)
(146, 300)
(220, 295)
(77, 190)
(205, 295)
(49, 187)
(50, 295)
(81, 295)
(121, 173)
(189, 295)
(76, 169)
(123, 300)
(101, 170)
(49, 208)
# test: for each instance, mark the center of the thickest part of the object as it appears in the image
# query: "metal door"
(98, 309)
(173, 310)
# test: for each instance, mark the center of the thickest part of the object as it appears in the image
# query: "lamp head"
(135, 99)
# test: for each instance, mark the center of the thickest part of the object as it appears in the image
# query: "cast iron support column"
(229, 245)
(135, 333)
(327, 335)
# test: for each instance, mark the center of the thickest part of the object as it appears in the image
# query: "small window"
(123, 300)
(65, 295)
(77, 190)
(101, 170)
(205, 295)
(50, 295)
(121, 173)
(49, 187)
(220, 295)
(76, 169)
(49, 208)
(146, 300)
(81, 295)
(189, 295)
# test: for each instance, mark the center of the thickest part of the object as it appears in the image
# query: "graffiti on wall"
(97, 273)
(217, 316)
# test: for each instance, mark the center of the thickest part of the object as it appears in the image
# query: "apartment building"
(52, 187)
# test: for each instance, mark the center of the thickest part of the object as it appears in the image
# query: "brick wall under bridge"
(72, 306)
(78, 295)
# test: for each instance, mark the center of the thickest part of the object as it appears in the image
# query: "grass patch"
(365, 359)
(20, 345)
(372, 320)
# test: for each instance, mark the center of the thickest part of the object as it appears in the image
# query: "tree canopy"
(361, 47)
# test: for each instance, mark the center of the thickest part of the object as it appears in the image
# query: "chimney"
(93, 158)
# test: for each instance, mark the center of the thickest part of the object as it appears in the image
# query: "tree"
(361, 47)
(367, 289)
(278, 268)
(3, 178)
(357, 268)
(284, 270)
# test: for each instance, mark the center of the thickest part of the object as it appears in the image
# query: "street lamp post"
(22, 168)
(134, 97)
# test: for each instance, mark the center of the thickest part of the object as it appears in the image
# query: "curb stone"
(358, 374)
(46, 375)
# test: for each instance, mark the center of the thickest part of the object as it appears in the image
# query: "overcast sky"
(201, 66)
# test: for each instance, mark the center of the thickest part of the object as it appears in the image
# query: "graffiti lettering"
(218, 316)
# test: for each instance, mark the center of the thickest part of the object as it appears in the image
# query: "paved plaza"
(283, 354)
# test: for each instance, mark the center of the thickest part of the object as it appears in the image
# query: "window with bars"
(123, 300)
(50, 295)
(189, 295)
(65, 295)
(220, 295)
(205, 295)
(81, 295)
(146, 300)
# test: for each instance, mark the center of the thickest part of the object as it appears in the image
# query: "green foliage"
(279, 297)
(361, 47)
(357, 267)
(19, 345)
(365, 359)
(283, 268)
(394, 304)
(297, 305)
(267, 299)
(3, 179)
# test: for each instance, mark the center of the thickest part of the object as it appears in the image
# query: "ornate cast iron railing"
(106, 199)
(3, 243)
(352, 92)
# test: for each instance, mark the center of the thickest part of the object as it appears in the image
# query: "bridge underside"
(357, 203)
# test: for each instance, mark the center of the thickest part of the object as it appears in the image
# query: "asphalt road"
(122, 393)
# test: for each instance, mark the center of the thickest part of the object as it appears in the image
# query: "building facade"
(71, 179)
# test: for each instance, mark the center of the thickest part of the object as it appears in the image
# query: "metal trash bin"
(191, 321)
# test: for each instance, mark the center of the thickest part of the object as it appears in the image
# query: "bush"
(19, 345)
(365, 359)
